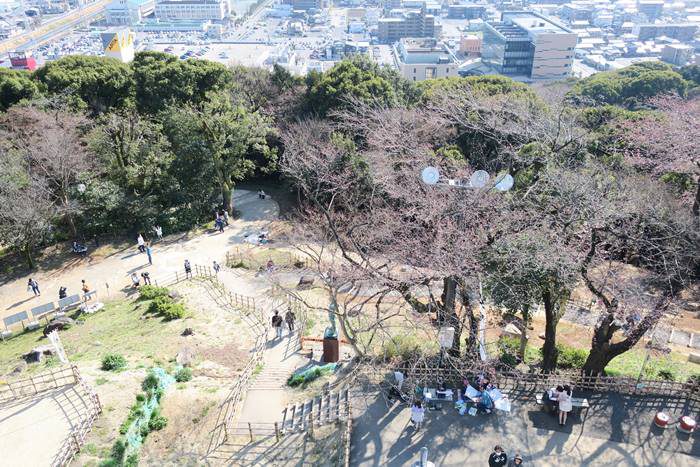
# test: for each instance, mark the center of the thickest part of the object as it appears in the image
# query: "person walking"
(498, 457)
(33, 286)
(417, 414)
(149, 253)
(226, 218)
(142, 243)
(216, 267)
(188, 269)
(146, 278)
(516, 461)
(565, 405)
(289, 318)
(277, 324)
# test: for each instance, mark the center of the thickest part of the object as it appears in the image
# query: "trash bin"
(331, 350)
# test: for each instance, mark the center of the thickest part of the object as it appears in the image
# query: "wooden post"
(32, 381)
(311, 419)
(277, 433)
(250, 430)
(177, 277)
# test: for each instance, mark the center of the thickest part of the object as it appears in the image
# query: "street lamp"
(479, 179)
(81, 188)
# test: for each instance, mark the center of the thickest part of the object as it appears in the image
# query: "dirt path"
(110, 276)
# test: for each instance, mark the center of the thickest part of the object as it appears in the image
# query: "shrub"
(149, 292)
(118, 450)
(183, 375)
(570, 357)
(157, 422)
(150, 383)
(403, 346)
(132, 460)
(174, 311)
(140, 397)
(160, 304)
(299, 379)
(667, 374)
(113, 362)
(694, 379)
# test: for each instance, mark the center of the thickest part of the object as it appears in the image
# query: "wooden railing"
(541, 381)
(179, 276)
(56, 378)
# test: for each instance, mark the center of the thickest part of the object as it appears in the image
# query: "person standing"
(516, 461)
(149, 253)
(158, 231)
(277, 324)
(62, 292)
(85, 288)
(33, 286)
(498, 457)
(226, 218)
(188, 269)
(216, 267)
(141, 243)
(565, 405)
(289, 318)
(417, 414)
(146, 278)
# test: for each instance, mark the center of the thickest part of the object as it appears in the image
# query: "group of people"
(559, 399)
(136, 282)
(221, 220)
(33, 286)
(499, 458)
(145, 247)
(277, 321)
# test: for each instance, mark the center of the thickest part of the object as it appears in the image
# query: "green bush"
(132, 460)
(149, 292)
(183, 375)
(570, 357)
(166, 307)
(118, 450)
(667, 374)
(305, 377)
(403, 346)
(157, 422)
(150, 383)
(175, 311)
(113, 362)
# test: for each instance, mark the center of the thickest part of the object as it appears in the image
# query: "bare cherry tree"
(51, 143)
(666, 141)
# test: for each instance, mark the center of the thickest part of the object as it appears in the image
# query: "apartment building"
(528, 44)
(419, 59)
(684, 32)
(190, 10)
(128, 12)
(408, 24)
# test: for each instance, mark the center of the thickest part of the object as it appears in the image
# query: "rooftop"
(533, 22)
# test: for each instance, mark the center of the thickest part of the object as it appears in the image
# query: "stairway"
(325, 408)
(273, 377)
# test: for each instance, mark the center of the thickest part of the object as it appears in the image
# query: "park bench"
(66, 303)
(41, 311)
(89, 295)
(579, 403)
(14, 319)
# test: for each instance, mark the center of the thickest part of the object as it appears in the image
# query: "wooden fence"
(180, 276)
(29, 386)
(540, 381)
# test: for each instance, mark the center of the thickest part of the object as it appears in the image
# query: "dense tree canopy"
(15, 86)
(98, 83)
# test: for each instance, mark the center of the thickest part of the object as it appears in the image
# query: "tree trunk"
(696, 203)
(473, 338)
(226, 195)
(553, 308)
(27, 251)
(523, 332)
(449, 312)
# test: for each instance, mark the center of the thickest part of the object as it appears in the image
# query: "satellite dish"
(504, 183)
(430, 175)
(479, 179)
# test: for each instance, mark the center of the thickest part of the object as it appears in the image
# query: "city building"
(528, 44)
(407, 24)
(470, 46)
(22, 61)
(652, 9)
(419, 59)
(119, 44)
(128, 12)
(677, 54)
(466, 11)
(307, 5)
(684, 32)
(192, 10)
(577, 12)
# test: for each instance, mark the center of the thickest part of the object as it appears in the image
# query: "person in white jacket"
(565, 406)
(417, 414)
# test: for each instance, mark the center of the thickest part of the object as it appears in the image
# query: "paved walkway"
(617, 432)
(32, 430)
(168, 257)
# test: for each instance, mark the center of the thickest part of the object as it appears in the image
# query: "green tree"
(15, 86)
(356, 78)
(489, 85)
(99, 83)
(230, 135)
(162, 80)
